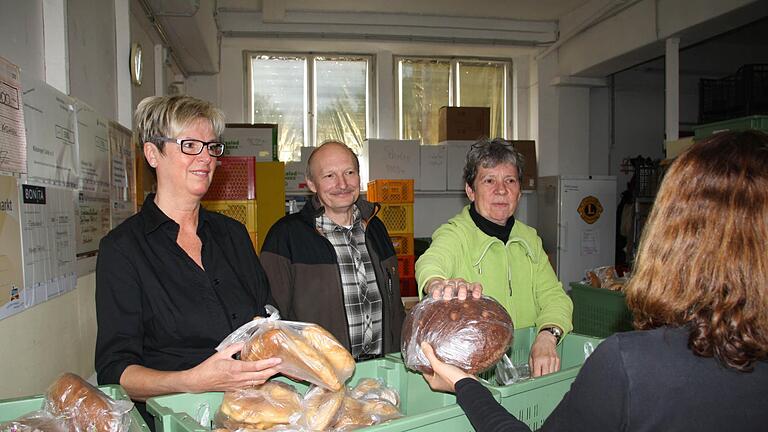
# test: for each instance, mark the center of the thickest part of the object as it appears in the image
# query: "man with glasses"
(333, 263)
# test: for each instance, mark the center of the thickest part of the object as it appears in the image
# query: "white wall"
(22, 34)
(91, 49)
(58, 335)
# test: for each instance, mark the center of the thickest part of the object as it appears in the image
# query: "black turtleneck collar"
(492, 229)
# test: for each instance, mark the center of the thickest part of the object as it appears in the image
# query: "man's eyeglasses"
(194, 147)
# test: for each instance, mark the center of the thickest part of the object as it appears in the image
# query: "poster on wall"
(11, 276)
(13, 143)
(50, 118)
(48, 242)
(123, 191)
(93, 147)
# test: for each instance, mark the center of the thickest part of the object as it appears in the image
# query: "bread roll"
(471, 334)
(300, 360)
(359, 413)
(86, 407)
(261, 407)
(320, 408)
(337, 355)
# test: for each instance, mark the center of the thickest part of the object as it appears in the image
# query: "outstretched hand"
(445, 376)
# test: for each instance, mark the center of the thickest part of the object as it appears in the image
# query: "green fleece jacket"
(517, 274)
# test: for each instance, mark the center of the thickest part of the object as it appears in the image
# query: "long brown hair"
(703, 257)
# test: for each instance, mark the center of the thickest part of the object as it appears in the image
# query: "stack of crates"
(239, 183)
(396, 199)
(233, 191)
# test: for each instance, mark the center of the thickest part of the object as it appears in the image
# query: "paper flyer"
(50, 120)
(48, 242)
(93, 146)
(13, 142)
(92, 222)
(11, 275)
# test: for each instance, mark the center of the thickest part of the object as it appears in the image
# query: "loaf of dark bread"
(471, 334)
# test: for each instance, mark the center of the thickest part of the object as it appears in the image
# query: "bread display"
(471, 334)
(85, 406)
(273, 403)
(300, 359)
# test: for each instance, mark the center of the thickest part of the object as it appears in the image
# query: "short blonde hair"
(167, 116)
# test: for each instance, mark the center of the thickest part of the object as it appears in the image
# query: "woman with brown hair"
(699, 292)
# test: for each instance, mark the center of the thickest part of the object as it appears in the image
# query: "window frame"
(454, 89)
(310, 117)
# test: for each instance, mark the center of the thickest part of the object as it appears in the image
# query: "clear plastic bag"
(36, 421)
(355, 414)
(508, 373)
(374, 389)
(85, 407)
(605, 277)
(262, 407)
(320, 409)
(470, 334)
(308, 351)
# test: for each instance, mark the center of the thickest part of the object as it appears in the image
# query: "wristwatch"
(555, 331)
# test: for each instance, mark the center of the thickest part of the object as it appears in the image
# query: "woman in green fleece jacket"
(484, 249)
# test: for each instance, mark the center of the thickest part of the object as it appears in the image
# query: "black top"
(155, 307)
(490, 228)
(641, 381)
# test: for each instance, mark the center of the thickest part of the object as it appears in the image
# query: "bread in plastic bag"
(605, 277)
(85, 407)
(261, 407)
(320, 408)
(470, 334)
(374, 389)
(36, 421)
(355, 414)
(308, 351)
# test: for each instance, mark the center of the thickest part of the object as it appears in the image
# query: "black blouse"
(155, 307)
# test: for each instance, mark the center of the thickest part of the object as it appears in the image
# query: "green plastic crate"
(424, 409)
(752, 122)
(599, 312)
(11, 409)
(533, 400)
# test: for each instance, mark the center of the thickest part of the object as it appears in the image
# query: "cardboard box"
(464, 123)
(455, 159)
(295, 176)
(258, 140)
(432, 160)
(530, 170)
(389, 159)
(296, 172)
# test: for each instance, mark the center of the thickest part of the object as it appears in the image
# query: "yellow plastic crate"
(270, 193)
(403, 243)
(398, 218)
(390, 191)
(243, 211)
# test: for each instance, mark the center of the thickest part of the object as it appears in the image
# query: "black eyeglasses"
(194, 147)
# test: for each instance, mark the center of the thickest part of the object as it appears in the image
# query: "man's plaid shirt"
(362, 299)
